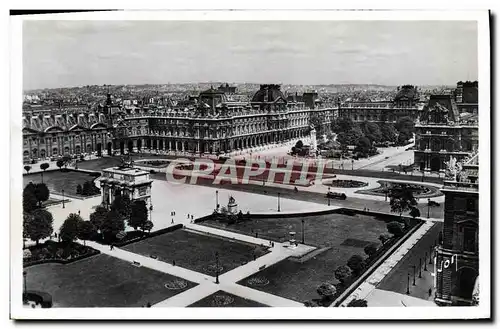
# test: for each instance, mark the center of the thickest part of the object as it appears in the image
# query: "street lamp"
(428, 208)
(63, 199)
(352, 164)
(303, 232)
(25, 289)
(414, 272)
(216, 199)
(408, 285)
(430, 255)
(328, 196)
(279, 207)
(216, 267)
(425, 261)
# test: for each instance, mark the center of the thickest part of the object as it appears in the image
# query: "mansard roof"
(60, 122)
(268, 94)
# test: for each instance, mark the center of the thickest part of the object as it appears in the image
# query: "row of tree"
(87, 189)
(112, 221)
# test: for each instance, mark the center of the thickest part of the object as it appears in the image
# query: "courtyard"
(197, 252)
(103, 281)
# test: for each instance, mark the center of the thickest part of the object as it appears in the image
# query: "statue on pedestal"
(453, 169)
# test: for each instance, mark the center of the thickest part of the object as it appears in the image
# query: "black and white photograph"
(250, 165)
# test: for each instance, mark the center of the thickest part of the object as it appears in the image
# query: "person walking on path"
(111, 247)
(172, 220)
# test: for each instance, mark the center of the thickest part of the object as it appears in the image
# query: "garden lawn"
(341, 235)
(57, 180)
(100, 163)
(197, 251)
(215, 299)
(100, 281)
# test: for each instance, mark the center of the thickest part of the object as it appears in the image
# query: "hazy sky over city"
(75, 53)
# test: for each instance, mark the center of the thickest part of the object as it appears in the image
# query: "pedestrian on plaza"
(172, 220)
(55, 235)
(78, 212)
(192, 217)
(188, 216)
(430, 292)
(111, 246)
(173, 263)
(148, 304)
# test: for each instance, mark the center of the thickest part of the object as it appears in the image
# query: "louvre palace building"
(212, 123)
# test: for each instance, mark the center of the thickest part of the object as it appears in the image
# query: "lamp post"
(429, 208)
(216, 199)
(216, 267)
(328, 196)
(279, 207)
(352, 164)
(303, 239)
(420, 268)
(25, 289)
(430, 255)
(414, 272)
(425, 261)
(63, 198)
(408, 285)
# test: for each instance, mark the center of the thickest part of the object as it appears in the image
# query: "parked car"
(335, 195)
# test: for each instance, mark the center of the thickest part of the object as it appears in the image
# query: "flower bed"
(419, 190)
(346, 183)
(57, 252)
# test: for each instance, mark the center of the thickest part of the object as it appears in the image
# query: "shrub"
(326, 291)
(357, 303)
(342, 273)
(357, 264)
(78, 189)
(395, 228)
(371, 249)
(384, 238)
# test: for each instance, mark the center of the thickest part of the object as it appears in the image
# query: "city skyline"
(58, 54)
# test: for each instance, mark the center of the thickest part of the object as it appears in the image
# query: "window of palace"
(471, 205)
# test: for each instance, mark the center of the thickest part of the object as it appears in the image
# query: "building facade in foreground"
(457, 258)
(405, 103)
(442, 131)
(216, 124)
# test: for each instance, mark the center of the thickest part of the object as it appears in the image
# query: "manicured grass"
(101, 281)
(197, 251)
(100, 163)
(215, 300)
(57, 180)
(298, 280)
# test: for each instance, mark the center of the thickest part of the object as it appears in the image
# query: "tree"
(357, 303)
(350, 137)
(148, 226)
(42, 193)
(60, 163)
(406, 127)
(123, 206)
(40, 227)
(113, 224)
(326, 291)
(357, 264)
(67, 160)
(98, 217)
(395, 228)
(342, 273)
(363, 146)
(85, 231)
(389, 132)
(317, 123)
(138, 214)
(299, 144)
(27, 218)
(30, 202)
(79, 189)
(371, 249)
(27, 168)
(69, 229)
(414, 212)
(401, 200)
(342, 124)
(44, 166)
(372, 132)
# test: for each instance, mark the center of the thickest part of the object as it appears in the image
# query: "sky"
(76, 53)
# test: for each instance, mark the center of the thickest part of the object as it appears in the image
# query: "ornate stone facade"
(215, 124)
(457, 258)
(442, 131)
(405, 103)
